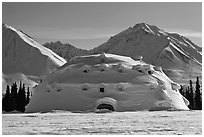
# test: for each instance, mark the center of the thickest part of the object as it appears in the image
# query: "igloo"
(106, 82)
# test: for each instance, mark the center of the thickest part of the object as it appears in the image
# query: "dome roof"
(107, 81)
(100, 68)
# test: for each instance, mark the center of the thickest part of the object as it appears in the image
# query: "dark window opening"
(105, 106)
(140, 70)
(120, 70)
(84, 88)
(150, 72)
(59, 89)
(120, 89)
(86, 71)
(102, 90)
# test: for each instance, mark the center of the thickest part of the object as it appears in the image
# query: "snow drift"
(107, 82)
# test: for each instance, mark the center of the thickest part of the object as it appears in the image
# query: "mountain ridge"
(66, 50)
(23, 59)
(171, 51)
(20, 48)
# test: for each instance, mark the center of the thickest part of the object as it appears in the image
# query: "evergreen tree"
(28, 96)
(198, 99)
(191, 95)
(187, 93)
(13, 100)
(6, 100)
(181, 90)
(21, 99)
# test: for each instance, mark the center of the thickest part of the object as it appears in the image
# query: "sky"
(87, 25)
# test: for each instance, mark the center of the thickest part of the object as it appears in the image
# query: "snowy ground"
(143, 122)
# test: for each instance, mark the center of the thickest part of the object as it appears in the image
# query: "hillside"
(176, 54)
(22, 56)
(66, 51)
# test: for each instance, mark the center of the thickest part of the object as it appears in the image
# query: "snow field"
(115, 123)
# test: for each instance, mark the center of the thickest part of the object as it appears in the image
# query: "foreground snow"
(143, 122)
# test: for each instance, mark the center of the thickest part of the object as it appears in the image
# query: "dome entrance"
(105, 106)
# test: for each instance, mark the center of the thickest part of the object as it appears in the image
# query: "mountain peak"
(140, 25)
(149, 29)
(158, 47)
(58, 42)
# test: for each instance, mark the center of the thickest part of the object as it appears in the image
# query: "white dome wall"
(144, 87)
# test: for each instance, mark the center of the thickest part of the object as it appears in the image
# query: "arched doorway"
(105, 106)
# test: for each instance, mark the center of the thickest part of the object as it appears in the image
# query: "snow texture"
(115, 123)
(119, 82)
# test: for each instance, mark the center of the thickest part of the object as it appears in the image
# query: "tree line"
(193, 95)
(15, 98)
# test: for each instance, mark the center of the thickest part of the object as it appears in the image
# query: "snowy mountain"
(23, 56)
(176, 54)
(66, 51)
(20, 53)
(180, 58)
(106, 82)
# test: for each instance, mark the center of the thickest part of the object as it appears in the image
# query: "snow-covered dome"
(107, 81)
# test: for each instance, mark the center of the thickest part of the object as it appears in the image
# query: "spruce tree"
(28, 96)
(21, 99)
(6, 100)
(198, 99)
(13, 100)
(187, 94)
(181, 90)
(191, 95)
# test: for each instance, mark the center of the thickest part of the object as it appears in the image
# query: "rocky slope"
(66, 51)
